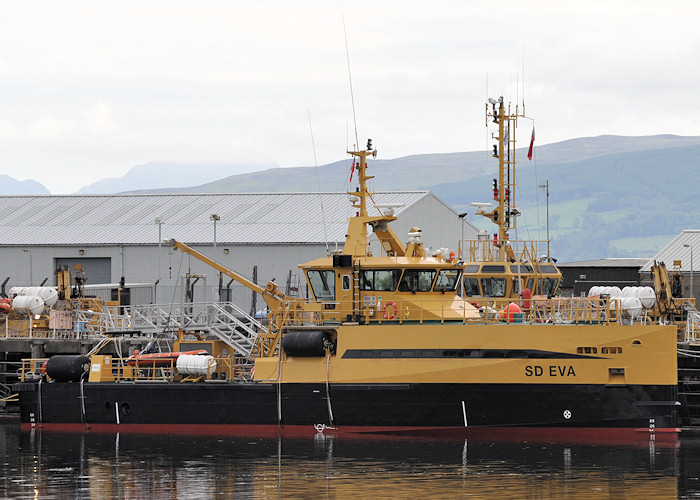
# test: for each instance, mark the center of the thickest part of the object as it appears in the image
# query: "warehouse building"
(124, 238)
(681, 254)
(578, 277)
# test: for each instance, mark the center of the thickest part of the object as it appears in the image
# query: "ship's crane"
(283, 309)
(669, 290)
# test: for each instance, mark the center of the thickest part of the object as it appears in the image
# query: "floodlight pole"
(216, 218)
(692, 295)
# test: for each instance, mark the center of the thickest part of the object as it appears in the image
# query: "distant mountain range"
(169, 175)
(609, 196)
(9, 185)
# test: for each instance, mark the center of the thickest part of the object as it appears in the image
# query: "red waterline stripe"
(571, 435)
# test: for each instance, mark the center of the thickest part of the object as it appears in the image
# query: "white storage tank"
(17, 290)
(196, 364)
(647, 296)
(27, 304)
(632, 306)
(48, 294)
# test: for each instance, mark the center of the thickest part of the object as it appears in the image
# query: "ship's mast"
(503, 215)
(358, 226)
(362, 193)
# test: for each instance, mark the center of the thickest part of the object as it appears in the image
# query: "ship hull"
(351, 406)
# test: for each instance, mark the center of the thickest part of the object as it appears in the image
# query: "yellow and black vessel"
(384, 344)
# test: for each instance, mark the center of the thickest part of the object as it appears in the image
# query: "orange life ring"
(390, 313)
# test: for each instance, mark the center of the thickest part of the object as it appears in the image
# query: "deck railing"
(557, 310)
(486, 250)
(227, 368)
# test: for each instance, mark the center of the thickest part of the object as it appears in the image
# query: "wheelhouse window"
(417, 280)
(471, 287)
(380, 279)
(447, 280)
(494, 287)
(322, 284)
(493, 269)
(548, 286)
(471, 268)
(524, 269)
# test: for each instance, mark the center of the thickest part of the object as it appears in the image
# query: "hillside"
(609, 195)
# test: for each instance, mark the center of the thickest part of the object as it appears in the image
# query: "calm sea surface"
(42, 464)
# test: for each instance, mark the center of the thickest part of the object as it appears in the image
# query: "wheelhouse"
(500, 279)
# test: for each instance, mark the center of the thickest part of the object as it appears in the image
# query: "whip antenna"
(352, 95)
(318, 178)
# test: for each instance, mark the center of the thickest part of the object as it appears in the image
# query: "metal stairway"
(240, 330)
(224, 320)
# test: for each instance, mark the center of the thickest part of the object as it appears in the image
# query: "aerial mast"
(504, 185)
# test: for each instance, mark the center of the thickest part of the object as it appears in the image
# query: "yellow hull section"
(476, 354)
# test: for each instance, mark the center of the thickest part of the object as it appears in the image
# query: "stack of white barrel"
(633, 299)
(28, 300)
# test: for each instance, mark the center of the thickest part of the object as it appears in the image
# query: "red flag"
(352, 171)
(532, 144)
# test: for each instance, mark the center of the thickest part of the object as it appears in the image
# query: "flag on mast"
(532, 144)
(352, 171)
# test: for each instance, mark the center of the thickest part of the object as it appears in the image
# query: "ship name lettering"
(554, 371)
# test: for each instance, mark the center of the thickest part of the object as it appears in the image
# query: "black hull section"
(352, 405)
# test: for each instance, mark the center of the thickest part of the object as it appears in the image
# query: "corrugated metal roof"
(130, 219)
(677, 250)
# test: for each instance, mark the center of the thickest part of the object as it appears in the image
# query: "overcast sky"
(90, 89)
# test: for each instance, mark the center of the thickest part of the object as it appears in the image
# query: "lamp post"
(691, 269)
(461, 246)
(461, 242)
(159, 222)
(216, 218)
(31, 272)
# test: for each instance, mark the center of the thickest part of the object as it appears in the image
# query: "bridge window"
(417, 280)
(447, 280)
(493, 269)
(380, 279)
(322, 284)
(494, 287)
(471, 287)
(548, 286)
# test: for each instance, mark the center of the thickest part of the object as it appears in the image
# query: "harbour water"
(43, 464)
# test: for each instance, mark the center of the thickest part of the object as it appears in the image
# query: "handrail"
(232, 368)
(540, 310)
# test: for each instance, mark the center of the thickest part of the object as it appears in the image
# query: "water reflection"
(40, 464)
